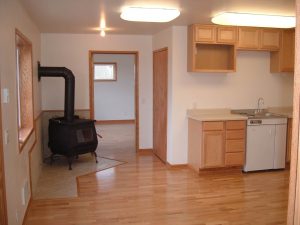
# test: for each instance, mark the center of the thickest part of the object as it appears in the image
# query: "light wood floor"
(144, 192)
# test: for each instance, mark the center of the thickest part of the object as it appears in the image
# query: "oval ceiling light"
(254, 20)
(141, 14)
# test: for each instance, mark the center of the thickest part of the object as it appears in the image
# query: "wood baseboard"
(145, 151)
(177, 166)
(115, 121)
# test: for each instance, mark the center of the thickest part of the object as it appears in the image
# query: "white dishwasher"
(266, 144)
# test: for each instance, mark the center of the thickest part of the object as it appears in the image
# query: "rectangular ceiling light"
(141, 14)
(254, 20)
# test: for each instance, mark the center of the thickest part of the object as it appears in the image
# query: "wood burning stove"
(69, 135)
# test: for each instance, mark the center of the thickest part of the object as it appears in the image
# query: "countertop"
(213, 115)
(285, 111)
(224, 114)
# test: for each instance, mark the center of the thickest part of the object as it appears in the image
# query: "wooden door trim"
(153, 131)
(293, 216)
(136, 87)
(4, 220)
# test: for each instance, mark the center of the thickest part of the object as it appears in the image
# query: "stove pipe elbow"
(69, 86)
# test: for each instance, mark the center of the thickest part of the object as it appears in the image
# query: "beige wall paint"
(71, 51)
(12, 16)
(208, 90)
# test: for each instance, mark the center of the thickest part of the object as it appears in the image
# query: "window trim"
(24, 133)
(114, 64)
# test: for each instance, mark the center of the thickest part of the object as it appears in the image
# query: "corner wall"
(17, 168)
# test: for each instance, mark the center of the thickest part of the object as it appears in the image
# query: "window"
(24, 87)
(105, 71)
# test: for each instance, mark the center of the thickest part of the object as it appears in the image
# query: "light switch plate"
(5, 95)
(6, 137)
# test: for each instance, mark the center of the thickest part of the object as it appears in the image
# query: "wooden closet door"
(160, 91)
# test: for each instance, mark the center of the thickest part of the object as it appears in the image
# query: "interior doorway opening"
(113, 77)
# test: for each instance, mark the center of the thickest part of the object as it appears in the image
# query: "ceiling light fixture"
(141, 14)
(102, 26)
(102, 33)
(254, 20)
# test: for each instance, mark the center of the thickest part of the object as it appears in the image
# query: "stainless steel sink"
(254, 113)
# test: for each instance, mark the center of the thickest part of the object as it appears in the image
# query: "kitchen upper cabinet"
(211, 49)
(248, 38)
(226, 34)
(215, 34)
(216, 144)
(270, 39)
(205, 33)
(254, 38)
(284, 59)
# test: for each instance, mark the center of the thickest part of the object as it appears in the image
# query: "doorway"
(118, 110)
(160, 103)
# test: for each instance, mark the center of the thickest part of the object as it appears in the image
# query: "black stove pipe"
(69, 86)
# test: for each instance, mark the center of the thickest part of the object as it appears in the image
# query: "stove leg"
(51, 159)
(95, 155)
(70, 159)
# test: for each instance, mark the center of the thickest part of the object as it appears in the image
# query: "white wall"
(114, 100)
(71, 50)
(218, 90)
(12, 16)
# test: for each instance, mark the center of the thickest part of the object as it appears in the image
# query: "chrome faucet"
(260, 104)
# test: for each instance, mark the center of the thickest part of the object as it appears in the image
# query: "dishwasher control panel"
(255, 122)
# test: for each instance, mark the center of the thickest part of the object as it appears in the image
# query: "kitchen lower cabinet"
(216, 144)
(213, 145)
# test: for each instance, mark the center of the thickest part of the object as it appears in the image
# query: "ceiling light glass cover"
(254, 20)
(141, 14)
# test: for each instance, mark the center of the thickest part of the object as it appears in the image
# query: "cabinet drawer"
(235, 125)
(235, 145)
(218, 125)
(235, 134)
(234, 159)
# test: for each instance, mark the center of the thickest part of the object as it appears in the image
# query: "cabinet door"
(270, 39)
(288, 51)
(205, 33)
(248, 38)
(213, 149)
(227, 35)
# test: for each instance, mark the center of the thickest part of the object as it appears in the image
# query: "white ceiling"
(83, 16)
